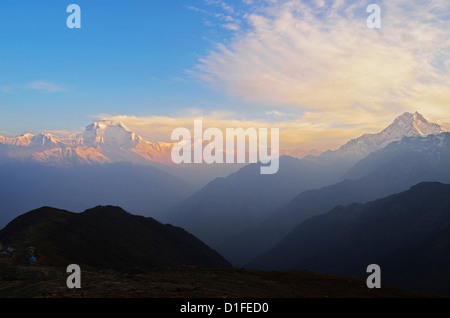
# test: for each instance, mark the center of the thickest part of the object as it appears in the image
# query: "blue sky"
(309, 67)
(130, 57)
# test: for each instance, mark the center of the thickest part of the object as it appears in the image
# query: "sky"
(311, 68)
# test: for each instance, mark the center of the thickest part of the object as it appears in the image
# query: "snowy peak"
(111, 134)
(410, 125)
(406, 125)
(23, 140)
(44, 139)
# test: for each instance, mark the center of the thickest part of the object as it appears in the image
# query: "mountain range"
(101, 142)
(109, 141)
(253, 220)
(255, 211)
(406, 234)
(392, 169)
(105, 142)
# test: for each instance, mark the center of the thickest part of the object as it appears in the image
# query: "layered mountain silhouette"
(106, 237)
(240, 201)
(109, 164)
(407, 234)
(280, 221)
(238, 210)
(392, 169)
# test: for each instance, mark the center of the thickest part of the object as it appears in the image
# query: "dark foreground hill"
(407, 234)
(105, 237)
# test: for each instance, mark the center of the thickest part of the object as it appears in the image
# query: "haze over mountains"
(392, 169)
(406, 234)
(243, 215)
(106, 164)
(250, 196)
(254, 212)
(143, 189)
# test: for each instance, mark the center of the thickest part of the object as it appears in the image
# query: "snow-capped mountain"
(432, 150)
(28, 139)
(108, 142)
(69, 156)
(109, 133)
(118, 143)
(406, 125)
(101, 142)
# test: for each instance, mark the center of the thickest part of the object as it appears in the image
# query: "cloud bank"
(46, 87)
(320, 57)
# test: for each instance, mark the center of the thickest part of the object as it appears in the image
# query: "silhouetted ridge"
(407, 234)
(106, 237)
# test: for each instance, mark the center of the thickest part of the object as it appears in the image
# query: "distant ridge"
(392, 169)
(407, 234)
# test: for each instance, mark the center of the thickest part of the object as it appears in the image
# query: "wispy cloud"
(279, 114)
(196, 9)
(61, 132)
(46, 87)
(6, 89)
(224, 5)
(4, 133)
(320, 57)
(219, 14)
(231, 26)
